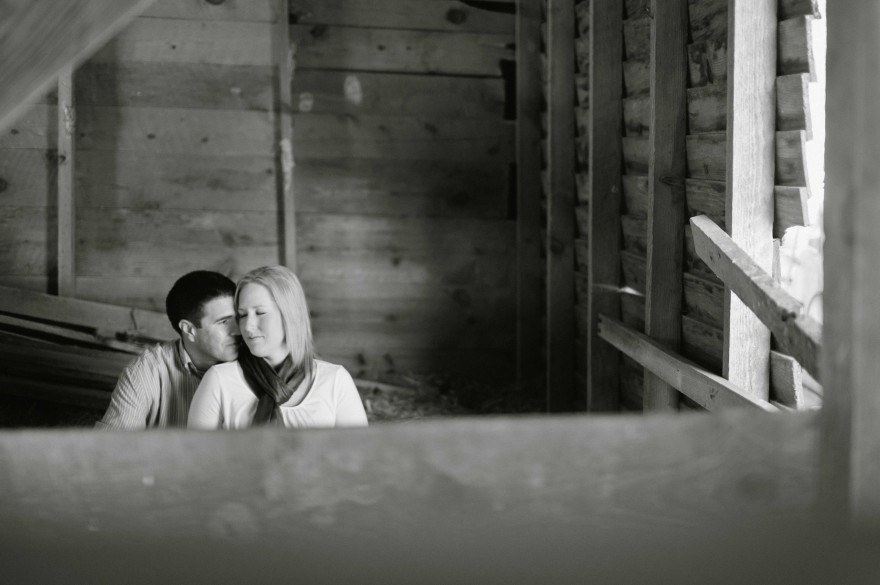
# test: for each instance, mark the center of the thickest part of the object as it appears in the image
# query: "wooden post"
(284, 136)
(605, 152)
(666, 180)
(850, 449)
(751, 107)
(560, 205)
(529, 303)
(66, 198)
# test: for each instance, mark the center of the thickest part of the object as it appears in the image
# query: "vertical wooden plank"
(850, 446)
(66, 199)
(606, 120)
(751, 107)
(284, 135)
(560, 205)
(667, 171)
(529, 310)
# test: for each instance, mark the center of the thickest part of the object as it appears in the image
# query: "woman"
(277, 378)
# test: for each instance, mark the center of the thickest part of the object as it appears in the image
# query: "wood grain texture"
(171, 40)
(786, 381)
(365, 92)
(666, 177)
(443, 15)
(366, 49)
(707, 389)
(708, 19)
(606, 77)
(793, 103)
(797, 334)
(99, 316)
(38, 39)
(202, 86)
(796, 47)
(66, 158)
(324, 136)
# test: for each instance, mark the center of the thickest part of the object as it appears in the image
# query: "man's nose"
(233, 328)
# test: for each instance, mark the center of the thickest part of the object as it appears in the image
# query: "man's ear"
(187, 329)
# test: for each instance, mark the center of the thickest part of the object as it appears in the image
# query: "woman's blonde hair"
(288, 295)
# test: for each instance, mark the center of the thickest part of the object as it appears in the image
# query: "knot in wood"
(456, 16)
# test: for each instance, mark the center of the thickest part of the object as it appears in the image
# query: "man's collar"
(187, 362)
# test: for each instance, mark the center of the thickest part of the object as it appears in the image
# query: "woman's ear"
(187, 329)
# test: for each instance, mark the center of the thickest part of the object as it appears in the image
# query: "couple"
(276, 378)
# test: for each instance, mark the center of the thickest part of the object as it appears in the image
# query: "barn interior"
(603, 220)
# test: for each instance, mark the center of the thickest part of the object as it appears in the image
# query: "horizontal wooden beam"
(103, 318)
(705, 388)
(38, 38)
(68, 334)
(797, 334)
(455, 486)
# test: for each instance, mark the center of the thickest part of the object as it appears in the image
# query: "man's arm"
(132, 400)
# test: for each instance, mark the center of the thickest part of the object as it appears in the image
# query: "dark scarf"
(270, 387)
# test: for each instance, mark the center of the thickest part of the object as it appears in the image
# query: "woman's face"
(260, 323)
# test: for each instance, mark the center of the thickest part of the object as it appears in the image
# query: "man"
(155, 390)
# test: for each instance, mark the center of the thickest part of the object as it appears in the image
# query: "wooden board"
(444, 15)
(100, 317)
(172, 40)
(707, 62)
(707, 108)
(328, 136)
(174, 130)
(606, 77)
(797, 334)
(28, 178)
(793, 110)
(708, 19)
(636, 37)
(367, 49)
(702, 344)
(850, 446)
(201, 86)
(635, 77)
(791, 164)
(707, 389)
(666, 177)
(796, 47)
(530, 364)
(364, 92)
(234, 10)
(751, 108)
(560, 208)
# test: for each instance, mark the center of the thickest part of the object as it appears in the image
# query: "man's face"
(216, 337)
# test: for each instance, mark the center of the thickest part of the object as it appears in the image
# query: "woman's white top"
(224, 401)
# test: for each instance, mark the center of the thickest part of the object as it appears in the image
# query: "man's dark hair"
(188, 296)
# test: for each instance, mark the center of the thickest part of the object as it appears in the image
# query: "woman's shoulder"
(329, 369)
(224, 370)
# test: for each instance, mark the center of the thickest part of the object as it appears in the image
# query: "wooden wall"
(402, 189)
(174, 158)
(403, 156)
(704, 318)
